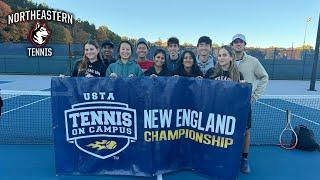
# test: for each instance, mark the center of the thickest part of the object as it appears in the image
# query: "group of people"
(232, 64)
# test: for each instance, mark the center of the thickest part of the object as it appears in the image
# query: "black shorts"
(249, 118)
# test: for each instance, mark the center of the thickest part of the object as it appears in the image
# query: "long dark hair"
(83, 65)
(162, 51)
(194, 69)
(233, 69)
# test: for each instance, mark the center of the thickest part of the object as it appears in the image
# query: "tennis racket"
(288, 137)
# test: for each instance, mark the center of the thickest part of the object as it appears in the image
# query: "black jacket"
(96, 69)
(107, 62)
(195, 72)
(225, 75)
(152, 70)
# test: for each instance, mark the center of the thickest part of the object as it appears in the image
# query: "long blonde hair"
(233, 69)
(83, 65)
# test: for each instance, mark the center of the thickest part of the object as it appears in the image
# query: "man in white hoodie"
(254, 73)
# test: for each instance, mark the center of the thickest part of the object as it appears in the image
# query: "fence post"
(273, 62)
(69, 59)
(304, 62)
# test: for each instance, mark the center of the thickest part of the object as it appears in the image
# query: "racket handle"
(288, 115)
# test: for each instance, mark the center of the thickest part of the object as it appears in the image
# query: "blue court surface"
(26, 119)
(37, 162)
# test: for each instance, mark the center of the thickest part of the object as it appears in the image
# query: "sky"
(265, 23)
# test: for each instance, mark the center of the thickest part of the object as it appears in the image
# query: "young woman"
(159, 67)
(90, 65)
(124, 66)
(187, 65)
(226, 68)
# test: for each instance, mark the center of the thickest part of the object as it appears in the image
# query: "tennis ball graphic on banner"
(111, 144)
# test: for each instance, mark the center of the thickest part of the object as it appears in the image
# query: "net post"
(315, 62)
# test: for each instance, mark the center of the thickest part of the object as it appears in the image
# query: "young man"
(107, 52)
(254, 73)
(173, 49)
(142, 52)
(204, 59)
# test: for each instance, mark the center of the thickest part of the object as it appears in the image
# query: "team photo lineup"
(232, 64)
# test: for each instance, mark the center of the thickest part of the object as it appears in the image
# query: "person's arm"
(263, 78)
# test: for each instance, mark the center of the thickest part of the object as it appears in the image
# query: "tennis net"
(26, 117)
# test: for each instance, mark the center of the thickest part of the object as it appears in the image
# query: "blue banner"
(148, 126)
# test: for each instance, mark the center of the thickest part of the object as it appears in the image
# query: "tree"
(67, 36)
(102, 33)
(4, 28)
(56, 32)
(23, 30)
(12, 32)
(160, 43)
(305, 47)
(124, 38)
(215, 45)
(187, 45)
(114, 37)
(5, 10)
(79, 33)
(87, 27)
(81, 36)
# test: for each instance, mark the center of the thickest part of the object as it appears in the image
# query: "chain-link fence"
(280, 63)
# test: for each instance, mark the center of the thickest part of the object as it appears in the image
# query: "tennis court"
(27, 150)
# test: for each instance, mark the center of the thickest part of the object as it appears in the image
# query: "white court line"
(290, 98)
(301, 105)
(25, 105)
(291, 113)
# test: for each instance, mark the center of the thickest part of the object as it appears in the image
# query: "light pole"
(308, 20)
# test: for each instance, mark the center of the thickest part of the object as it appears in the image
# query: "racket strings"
(288, 139)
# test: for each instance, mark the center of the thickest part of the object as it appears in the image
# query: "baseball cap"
(239, 36)
(107, 42)
(142, 40)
